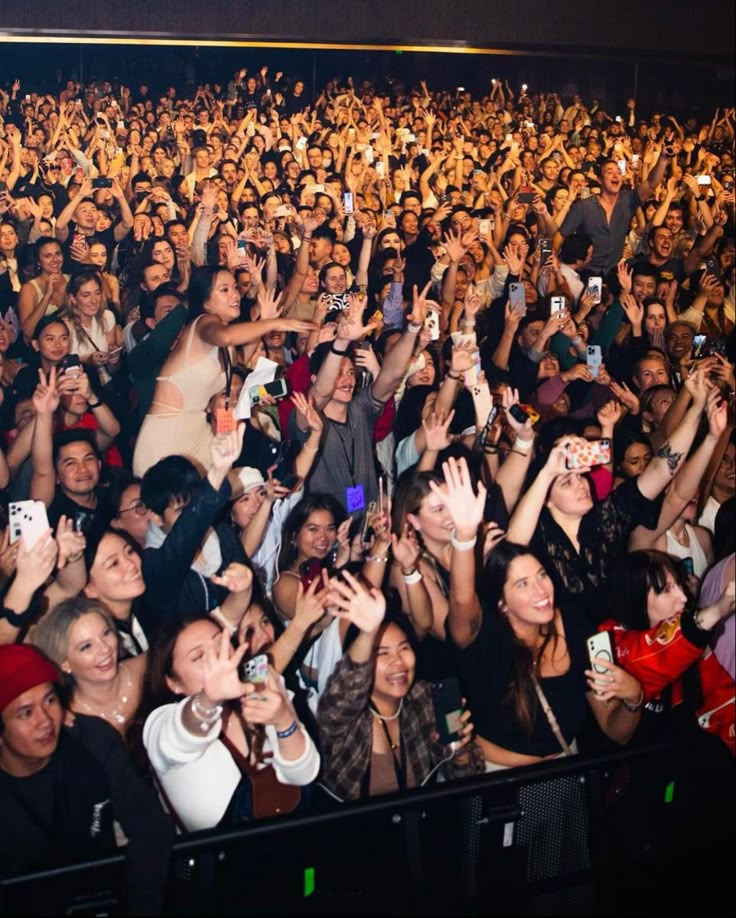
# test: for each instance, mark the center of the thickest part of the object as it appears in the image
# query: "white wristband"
(414, 577)
(463, 546)
(523, 444)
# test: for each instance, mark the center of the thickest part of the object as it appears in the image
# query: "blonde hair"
(51, 635)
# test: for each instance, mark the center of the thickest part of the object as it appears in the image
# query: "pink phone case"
(587, 454)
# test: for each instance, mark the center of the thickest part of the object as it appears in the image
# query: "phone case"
(309, 570)
(517, 296)
(224, 421)
(599, 645)
(28, 520)
(588, 453)
(255, 670)
(448, 708)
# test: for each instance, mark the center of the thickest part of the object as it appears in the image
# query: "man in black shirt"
(66, 468)
(61, 787)
(77, 225)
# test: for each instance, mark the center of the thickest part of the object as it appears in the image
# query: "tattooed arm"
(668, 458)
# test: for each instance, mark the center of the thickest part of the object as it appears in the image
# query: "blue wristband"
(289, 731)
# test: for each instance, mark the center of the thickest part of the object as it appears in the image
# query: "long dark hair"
(200, 287)
(521, 696)
(298, 517)
(635, 574)
(155, 691)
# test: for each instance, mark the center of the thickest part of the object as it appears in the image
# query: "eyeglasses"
(139, 508)
(727, 460)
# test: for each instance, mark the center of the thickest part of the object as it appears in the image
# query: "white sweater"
(198, 774)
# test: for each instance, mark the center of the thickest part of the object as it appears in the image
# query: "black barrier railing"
(566, 836)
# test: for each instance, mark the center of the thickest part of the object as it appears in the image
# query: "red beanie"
(23, 667)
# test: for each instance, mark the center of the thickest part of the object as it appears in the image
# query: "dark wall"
(703, 28)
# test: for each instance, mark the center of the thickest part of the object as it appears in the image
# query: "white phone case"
(27, 519)
(600, 645)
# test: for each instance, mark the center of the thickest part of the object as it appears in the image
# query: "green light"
(399, 51)
(309, 882)
(669, 792)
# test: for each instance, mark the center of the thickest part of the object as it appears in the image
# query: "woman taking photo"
(196, 370)
(660, 635)
(377, 725)
(79, 635)
(522, 657)
(578, 539)
(46, 291)
(209, 736)
(94, 334)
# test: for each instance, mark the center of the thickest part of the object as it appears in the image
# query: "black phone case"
(446, 699)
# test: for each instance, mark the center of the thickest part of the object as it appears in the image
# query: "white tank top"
(694, 550)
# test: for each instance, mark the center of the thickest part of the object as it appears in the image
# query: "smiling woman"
(195, 370)
(79, 635)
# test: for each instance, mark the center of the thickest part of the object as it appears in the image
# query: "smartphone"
(509, 138)
(254, 670)
(545, 249)
(600, 645)
(593, 359)
(526, 194)
(584, 193)
(367, 531)
(369, 156)
(703, 180)
(558, 304)
(102, 181)
(470, 377)
(224, 421)
(517, 296)
(728, 187)
(283, 210)
(70, 364)
(310, 570)
(301, 142)
(276, 389)
(432, 323)
(492, 415)
(318, 189)
(290, 481)
(380, 168)
(3, 187)
(621, 163)
(347, 202)
(588, 453)
(27, 519)
(484, 227)
(699, 344)
(595, 289)
(688, 565)
(635, 159)
(79, 238)
(448, 709)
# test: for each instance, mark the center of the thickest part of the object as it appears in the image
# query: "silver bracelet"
(206, 716)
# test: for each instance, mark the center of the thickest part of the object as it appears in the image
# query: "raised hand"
(609, 415)
(437, 431)
(463, 356)
(349, 599)
(716, 410)
(509, 398)
(406, 549)
(633, 310)
(224, 450)
(46, 395)
(268, 301)
(464, 506)
(34, 565)
(627, 398)
(236, 578)
(420, 304)
(625, 275)
(69, 541)
(306, 407)
(220, 670)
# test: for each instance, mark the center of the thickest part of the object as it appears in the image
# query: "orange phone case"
(224, 421)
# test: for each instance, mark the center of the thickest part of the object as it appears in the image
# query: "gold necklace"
(116, 715)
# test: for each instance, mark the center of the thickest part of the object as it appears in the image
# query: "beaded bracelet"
(289, 731)
(310, 449)
(377, 559)
(206, 716)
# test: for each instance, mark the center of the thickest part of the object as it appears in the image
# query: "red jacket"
(660, 655)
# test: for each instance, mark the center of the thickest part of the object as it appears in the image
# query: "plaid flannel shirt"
(346, 732)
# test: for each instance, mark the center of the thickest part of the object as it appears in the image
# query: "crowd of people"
(350, 444)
